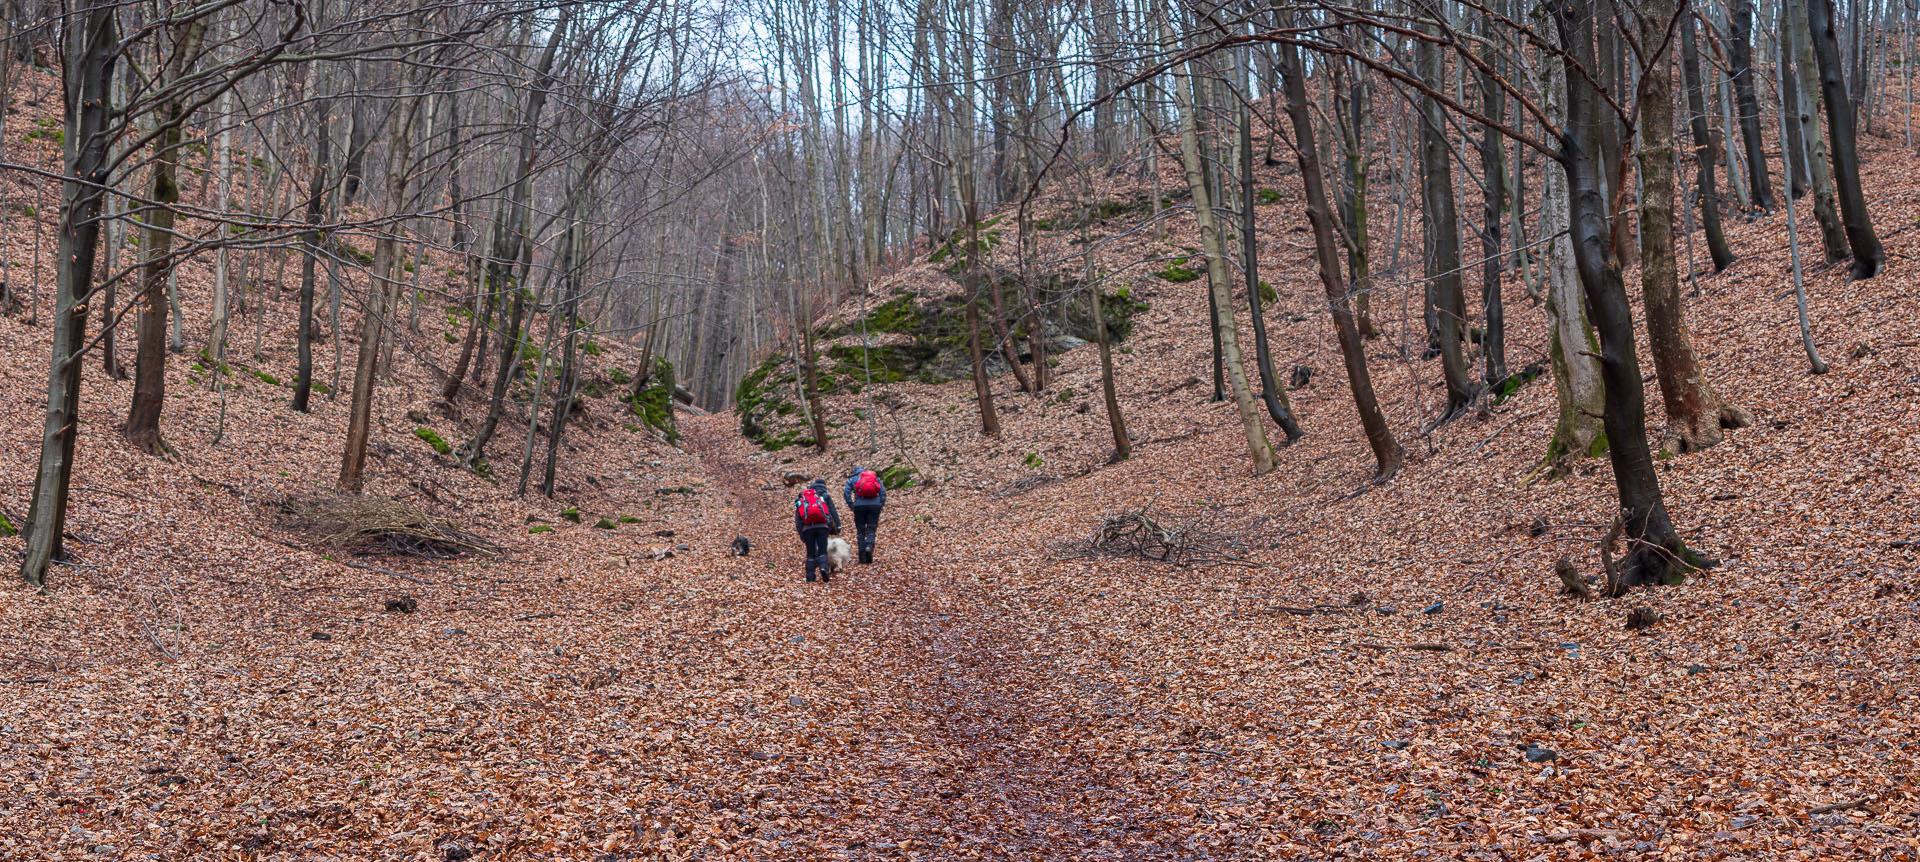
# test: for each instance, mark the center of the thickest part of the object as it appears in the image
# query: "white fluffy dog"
(839, 556)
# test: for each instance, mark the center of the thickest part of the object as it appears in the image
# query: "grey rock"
(1536, 754)
(1434, 608)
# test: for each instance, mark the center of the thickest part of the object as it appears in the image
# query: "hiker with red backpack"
(866, 495)
(815, 518)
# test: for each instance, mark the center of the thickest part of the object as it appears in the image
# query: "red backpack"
(868, 485)
(813, 511)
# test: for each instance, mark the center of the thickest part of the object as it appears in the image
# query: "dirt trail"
(940, 648)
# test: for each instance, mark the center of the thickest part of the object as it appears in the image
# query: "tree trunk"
(1792, 156)
(1000, 333)
(1702, 147)
(142, 428)
(383, 292)
(810, 389)
(1573, 352)
(982, 390)
(1695, 412)
(1386, 451)
(1740, 55)
(223, 160)
(1220, 290)
(90, 52)
(1116, 421)
(1868, 256)
(1833, 235)
(1656, 553)
(1493, 166)
(309, 260)
(510, 225)
(1270, 391)
(1611, 64)
(569, 384)
(1446, 303)
(1791, 164)
(1351, 109)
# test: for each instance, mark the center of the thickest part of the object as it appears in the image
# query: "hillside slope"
(207, 682)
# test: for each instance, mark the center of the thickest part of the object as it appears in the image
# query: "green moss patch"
(434, 439)
(897, 477)
(654, 404)
(1178, 272)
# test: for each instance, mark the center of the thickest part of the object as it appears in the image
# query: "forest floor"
(1374, 674)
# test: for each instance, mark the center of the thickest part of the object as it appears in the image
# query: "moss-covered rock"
(908, 338)
(897, 476)
(654, 404)
(571, 515)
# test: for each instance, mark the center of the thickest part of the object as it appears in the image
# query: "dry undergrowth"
(369, 525)
(1147, 535)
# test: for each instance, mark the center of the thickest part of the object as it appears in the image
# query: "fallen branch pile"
(1141, 534)
(368, 526)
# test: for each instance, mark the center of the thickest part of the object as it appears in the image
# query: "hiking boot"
(809, 577)
(866, 558)
(826, 578)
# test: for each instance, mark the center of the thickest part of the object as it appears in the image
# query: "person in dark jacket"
(814, 535)
(866, 507)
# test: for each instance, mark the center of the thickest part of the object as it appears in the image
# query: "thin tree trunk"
(1386, 451)
(310, 253)
(142, 428)
(982, 389)
(1656, 553)
(1740, 55)
(1270, 391)
(1794, 167)
(1573, 351)
(1220, 290)
(1493, 165)
(1833, 235)
(511, 223)
(1446, 304)
(90, 52)
(1351, 109)
(1793, 155)
(1695, 412)
(1868, 256)
(383, 291)
(1702, 147)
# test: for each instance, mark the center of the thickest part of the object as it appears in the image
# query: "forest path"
(996, 769)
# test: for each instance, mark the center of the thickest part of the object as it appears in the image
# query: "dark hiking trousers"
(866, 522)
(816, 542)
